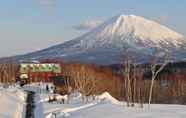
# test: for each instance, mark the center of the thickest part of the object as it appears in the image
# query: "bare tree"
(8, 73)
(156, 69)
(134, 84)
(68, 82)
(127, 81)
(85, 81)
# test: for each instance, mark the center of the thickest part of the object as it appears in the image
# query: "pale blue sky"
(29, 25)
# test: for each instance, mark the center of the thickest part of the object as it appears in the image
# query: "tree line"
(133, 83)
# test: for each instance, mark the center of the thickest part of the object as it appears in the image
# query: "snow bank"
(103, 106)
(76, 99)
(13, 102)
(21, 94)
(39, 87)
(67, 111)
(108, 98)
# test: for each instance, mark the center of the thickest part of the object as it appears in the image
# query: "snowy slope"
(104, 106)
(12, 101)
(107, 44)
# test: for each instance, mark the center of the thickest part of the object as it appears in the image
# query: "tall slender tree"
(157, 68)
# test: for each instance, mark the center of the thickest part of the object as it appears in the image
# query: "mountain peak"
(123, 26)
(123, 17)
(107, 43)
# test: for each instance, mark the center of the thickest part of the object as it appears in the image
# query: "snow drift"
(12, 102)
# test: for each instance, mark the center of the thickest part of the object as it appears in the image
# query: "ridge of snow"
(107, 97)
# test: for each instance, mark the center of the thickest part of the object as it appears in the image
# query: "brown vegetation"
(169, 85)
(8, 73)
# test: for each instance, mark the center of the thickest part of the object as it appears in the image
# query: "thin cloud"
(88, 25)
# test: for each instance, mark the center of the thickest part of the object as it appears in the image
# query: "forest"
(128, 82)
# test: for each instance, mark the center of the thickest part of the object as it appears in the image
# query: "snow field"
(12, 102)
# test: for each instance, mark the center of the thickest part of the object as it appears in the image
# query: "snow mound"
(21, 94)
(12, 102)
(59, 97)
(108, 98)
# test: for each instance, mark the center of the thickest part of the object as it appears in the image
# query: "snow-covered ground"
(12, 102)
(104, 106)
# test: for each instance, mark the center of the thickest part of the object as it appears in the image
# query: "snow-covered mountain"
(110, 42)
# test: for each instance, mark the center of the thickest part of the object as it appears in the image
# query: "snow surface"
(143, 29)
(12, 101)
(104, 106)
